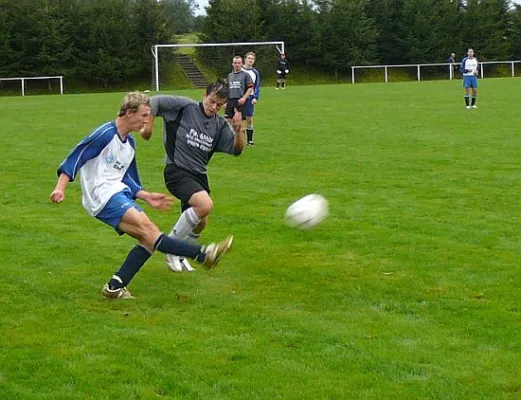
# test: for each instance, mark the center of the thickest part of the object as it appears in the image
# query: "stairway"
(191, 71)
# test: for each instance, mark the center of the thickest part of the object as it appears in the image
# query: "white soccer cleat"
(474, 106)
(468, 107)
(186, 265)
(178, 264)
(173, 263)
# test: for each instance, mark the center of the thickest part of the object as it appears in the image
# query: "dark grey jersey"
(239, 83)
(189, 136)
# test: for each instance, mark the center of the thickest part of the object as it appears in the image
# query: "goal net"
(187, 66)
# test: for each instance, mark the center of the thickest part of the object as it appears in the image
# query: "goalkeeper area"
(188, 66)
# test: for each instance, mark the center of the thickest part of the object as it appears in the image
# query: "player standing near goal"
(110, 185)
(469, 69)
(192, 133)
(249, 108)
(241, 87)
(282, 71)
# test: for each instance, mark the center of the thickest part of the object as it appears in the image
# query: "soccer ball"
(307, 212)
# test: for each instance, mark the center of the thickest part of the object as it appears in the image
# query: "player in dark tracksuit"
(282, 70)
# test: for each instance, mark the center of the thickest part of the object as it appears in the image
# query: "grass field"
(409, 290)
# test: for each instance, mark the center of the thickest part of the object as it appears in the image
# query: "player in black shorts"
(192, 133)
(282, 71)
(241, 86)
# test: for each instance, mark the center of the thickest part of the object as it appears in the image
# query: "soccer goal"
(46, 84)
(184, 66)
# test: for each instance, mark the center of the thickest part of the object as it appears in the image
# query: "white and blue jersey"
(469, 68)
(107, 165)
(255, 77)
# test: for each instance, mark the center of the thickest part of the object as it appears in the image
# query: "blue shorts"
(470, 82)
(116, 207)
(249, 108)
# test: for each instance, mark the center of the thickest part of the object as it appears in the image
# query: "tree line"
(104, 42)
(95, 42)
(336, 34)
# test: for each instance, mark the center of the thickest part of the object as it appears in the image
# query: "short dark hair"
(220, 88)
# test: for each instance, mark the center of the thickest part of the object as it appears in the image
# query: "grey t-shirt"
(239, 82)
(189, 136)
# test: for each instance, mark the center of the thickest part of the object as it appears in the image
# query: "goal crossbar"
(278, 44)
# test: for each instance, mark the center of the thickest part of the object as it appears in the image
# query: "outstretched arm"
(159, 201)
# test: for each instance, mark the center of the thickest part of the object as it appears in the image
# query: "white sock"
(185, 224)
(193, 237)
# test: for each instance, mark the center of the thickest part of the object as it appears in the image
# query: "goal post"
(195, 64)
(32, 78)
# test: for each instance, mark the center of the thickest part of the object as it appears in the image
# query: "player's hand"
(145, 133)
(160, 201)
(237, 120)
(241, 101)
(253, 101)
(57, 196)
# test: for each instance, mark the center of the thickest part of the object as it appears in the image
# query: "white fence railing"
(451, 69)
(23, 79)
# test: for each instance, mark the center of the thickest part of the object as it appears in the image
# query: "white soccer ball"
(307, 212)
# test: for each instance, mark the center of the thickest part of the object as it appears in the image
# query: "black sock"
(467, 100)
(473, 100)
(283, 85)
(136, 258)
(249, 133)
(278, 84)
(180, 248)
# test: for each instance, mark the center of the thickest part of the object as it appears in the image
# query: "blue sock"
(137, 257)
(178, 247)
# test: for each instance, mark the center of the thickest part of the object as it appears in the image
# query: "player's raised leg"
(137, 224)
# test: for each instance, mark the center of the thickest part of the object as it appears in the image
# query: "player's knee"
(149, 233)
(204, 207)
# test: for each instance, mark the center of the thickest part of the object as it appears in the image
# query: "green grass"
(409, 290)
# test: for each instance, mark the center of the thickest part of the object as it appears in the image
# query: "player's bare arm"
(243, 99)
(158, 201)
(146, 131)
(239, 141)
(58, 194)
